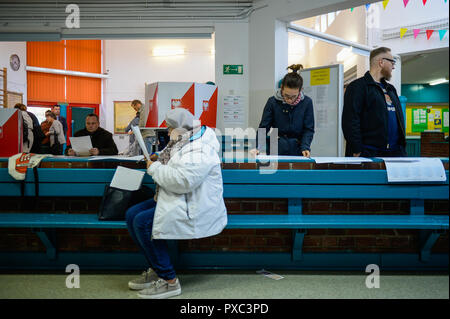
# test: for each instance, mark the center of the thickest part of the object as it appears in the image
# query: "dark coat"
(63, 121)
(101, 139)
(295, 124)
(365, 115)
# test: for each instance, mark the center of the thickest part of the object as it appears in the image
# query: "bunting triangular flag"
(429, 33)
(351, 10)
(424, 2)
(405, 2)
(402, 32)
(367, 6)
(385, 3)
(416, 33)
(442, 34)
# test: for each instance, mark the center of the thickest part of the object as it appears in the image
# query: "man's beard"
(386, 74)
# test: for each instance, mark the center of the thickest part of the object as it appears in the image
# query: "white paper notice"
(419, 170)
(341, 160)
(138, 136)
(128, 179)
(279, 157)
(233, 110)
(81, 145)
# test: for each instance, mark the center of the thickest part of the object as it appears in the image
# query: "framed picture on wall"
(14, 98)
(123, 114)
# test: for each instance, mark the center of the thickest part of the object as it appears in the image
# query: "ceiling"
(420, 68)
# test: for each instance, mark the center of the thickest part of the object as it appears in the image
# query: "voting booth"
(10, 132)
(160, 97)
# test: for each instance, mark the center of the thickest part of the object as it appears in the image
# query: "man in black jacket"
(372, 119)
(102, 140)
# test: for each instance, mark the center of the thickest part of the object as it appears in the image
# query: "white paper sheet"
(423, 170)
(81, 145)
(118, 157)
(128, 179)
(279, 157)
(138, 136)
(341, 160)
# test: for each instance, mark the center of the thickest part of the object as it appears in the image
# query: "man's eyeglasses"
(390, 60)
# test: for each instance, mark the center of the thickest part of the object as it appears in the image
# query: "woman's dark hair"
(51, 114)
(20, 106)
(293, 80)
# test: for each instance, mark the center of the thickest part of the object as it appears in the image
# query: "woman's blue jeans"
(139, 220)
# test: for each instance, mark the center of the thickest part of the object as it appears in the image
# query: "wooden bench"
(293, 185)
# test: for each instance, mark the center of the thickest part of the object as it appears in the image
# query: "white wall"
(231, 45)
(130, 65)
(17, 80)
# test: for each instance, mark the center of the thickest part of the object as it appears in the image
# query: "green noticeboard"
(419, 119)
(233, 69)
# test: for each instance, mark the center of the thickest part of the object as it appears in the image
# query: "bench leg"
(297, 246)
(427, 239)
(48, 239)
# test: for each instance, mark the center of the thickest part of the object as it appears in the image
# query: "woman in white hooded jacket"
(188, 202)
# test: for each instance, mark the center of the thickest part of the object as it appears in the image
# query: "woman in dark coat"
(291, 112)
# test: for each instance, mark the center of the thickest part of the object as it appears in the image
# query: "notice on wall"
(319, 95)
(320, 77)
(419, 120)
(233, 110)
(445, 120)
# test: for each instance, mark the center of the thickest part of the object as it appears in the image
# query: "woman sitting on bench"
(188, 202)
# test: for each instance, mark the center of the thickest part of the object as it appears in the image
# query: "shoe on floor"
(144, 281)
(161, 289)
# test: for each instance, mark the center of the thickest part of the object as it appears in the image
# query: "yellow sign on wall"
(320, 77)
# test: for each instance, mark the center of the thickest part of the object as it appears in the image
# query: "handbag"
(115, 201)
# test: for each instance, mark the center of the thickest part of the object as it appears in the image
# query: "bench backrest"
(333, 184)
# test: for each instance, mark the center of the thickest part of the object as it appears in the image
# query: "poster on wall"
(233, 110)
(419, 120)
(445, 120)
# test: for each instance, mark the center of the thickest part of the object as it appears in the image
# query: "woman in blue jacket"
(291, 112)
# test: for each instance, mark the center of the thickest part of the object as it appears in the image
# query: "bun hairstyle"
(293, 80)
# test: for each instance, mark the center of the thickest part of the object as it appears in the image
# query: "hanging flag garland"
(429, 33)
(385, 3)
(405, 2)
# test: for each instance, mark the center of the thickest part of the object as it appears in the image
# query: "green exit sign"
(233, 69)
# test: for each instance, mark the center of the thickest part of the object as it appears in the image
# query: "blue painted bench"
(293, 185)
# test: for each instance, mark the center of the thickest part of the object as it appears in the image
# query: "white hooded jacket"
(190, 200)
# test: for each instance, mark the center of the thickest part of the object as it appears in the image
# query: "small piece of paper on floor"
(269, 274)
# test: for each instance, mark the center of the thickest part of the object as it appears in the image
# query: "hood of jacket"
(279, 97)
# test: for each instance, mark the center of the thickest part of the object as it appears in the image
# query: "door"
(78, 118)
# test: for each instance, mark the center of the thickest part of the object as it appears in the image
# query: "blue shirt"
(392, 120)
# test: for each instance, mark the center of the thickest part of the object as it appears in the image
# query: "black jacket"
(295, 125)
(365, 115)
(100, 139)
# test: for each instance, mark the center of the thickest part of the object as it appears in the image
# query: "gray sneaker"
(161, 289)
(144, 281)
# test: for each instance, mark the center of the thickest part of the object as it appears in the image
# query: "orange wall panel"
(46, 54)
(45, 87)
(83, 90)
(84, 55)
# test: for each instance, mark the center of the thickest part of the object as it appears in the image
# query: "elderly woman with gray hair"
(188, 202)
